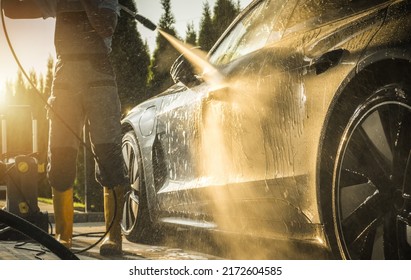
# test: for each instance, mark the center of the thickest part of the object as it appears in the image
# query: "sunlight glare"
(2, 96)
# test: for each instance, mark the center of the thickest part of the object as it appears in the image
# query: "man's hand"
(21, 9)
(103, 20)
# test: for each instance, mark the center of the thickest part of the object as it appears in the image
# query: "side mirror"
(328, 60)
(182, 71)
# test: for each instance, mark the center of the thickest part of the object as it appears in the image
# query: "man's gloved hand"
(103, 20)
(16, 9)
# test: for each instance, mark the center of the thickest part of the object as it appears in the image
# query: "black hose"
(37, 234)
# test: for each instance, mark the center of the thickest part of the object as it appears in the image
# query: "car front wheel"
(135, 220)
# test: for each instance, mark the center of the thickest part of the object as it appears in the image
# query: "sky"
(33, 39)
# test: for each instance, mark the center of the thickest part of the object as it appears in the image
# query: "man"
(84, 89)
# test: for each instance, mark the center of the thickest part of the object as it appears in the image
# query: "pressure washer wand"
(144, 21)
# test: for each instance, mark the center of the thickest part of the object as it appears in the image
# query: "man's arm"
(21, 9)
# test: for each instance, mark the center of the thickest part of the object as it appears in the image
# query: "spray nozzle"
(144, 21)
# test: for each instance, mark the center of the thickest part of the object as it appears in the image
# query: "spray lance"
(144, 21)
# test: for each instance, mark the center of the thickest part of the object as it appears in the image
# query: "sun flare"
(2, 96)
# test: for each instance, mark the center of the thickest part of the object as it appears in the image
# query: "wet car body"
(264, 149)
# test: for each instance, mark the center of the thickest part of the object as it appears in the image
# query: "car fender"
(142, 120)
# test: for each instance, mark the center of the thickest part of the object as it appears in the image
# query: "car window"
(268, 21)
(313, 13)
(264, 22)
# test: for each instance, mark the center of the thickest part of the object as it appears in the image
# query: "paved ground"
(88, 229)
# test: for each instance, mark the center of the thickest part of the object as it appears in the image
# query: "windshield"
(264, 22)
(313, 13)
(269, 21)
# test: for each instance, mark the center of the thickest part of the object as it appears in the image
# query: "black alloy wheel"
(369, 178)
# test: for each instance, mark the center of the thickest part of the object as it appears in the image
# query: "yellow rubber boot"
(112, 244)
(63, 216)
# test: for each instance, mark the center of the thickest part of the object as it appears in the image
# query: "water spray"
(144, 21)
(196, 57)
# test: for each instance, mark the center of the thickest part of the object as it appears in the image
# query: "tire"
(136, 225)
(363, 170)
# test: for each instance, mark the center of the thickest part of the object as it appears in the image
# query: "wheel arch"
(145, 229)
(126, 127)
(148, 161)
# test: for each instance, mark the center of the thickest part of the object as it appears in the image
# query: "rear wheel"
(365, 185)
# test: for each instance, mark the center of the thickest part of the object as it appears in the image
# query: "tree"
(20, 90)
(191, 35)
(131, 59)
(49, 77)
(32, 97)
(206, 37)
(164, 54)
(224, 13)
(238, 6)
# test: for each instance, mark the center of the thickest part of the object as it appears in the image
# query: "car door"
(177, 128)
(203, 131)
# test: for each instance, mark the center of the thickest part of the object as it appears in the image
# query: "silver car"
(293, 136)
